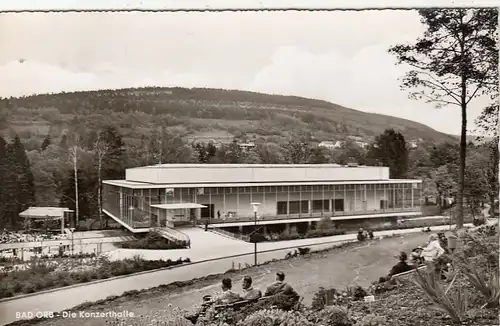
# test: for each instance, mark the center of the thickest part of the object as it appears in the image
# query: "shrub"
(373, 320)
(334, 316)
(275, 317)
(455, 304)
(324, 297)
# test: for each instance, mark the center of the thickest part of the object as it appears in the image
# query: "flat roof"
(235, 166)
(44, 212)
(145, 185)
(178, 206)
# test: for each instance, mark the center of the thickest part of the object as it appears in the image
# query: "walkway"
(208, 245)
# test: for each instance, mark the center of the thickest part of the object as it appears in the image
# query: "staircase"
(173, 235)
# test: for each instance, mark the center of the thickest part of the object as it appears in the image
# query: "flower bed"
(153, 241)
(40, 275)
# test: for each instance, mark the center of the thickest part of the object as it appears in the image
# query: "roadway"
(66, 298)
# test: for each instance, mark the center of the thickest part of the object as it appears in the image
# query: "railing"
(173, 235)
(314, 215)
(230, 234)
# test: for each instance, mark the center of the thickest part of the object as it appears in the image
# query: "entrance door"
(207, 212)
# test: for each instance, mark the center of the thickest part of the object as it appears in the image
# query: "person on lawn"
(361, 235)
(416, 256)
(249, 293)
(281, 287)
(402, 266)
(433, 249)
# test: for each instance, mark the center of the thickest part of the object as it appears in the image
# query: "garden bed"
(39, 275)
(152, 241)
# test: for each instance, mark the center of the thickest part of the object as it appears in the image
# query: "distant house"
(327, 144)
(413, 143)
(361, 144)
(247, 146)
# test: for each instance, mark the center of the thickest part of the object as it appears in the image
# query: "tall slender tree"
(452, 64)
(19, 183)
(101, 149)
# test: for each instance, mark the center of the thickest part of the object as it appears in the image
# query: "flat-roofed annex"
(255, 174)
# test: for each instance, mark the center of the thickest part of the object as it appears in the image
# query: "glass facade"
(133, 206)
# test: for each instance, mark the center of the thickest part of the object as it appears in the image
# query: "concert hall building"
(172, 195)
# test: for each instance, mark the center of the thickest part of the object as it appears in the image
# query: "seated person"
(433, 249)
(416, 258)
(401, 266)
(361, 234)
(370, 234)
(227, 296)
(280, 287)
(249, 293)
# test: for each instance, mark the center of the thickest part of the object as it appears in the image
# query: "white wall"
(226, 174)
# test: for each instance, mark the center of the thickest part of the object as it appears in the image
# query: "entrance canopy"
(43, 213)
(178, 206)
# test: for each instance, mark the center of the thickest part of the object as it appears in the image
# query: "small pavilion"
(47, 213)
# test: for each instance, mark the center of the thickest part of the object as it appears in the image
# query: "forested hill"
(189, 112)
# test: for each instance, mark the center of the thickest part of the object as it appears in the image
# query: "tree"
(73, 149)
(46, 142)
(389, 149)
(450, 65)
(297, 151)
(18, 183)
(3, 176)
(270, 153)
(114, 159)
(476, 181)
(349, 152)
(446, 185)
(101, 149)
(320, 155)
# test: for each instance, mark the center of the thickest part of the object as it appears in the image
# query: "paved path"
(208, 245)
(66, 298)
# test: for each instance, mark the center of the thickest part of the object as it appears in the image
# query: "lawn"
(359, 264)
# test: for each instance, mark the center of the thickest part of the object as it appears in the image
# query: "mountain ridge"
(189, 111)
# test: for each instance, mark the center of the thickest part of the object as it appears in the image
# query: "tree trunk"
(463, 152)
(99, 200)
(494, 180)
(75, 169)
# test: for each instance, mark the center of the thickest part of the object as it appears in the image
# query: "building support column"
(121, 204)
(311, 201)
(323, 200)
(309, 225)
(345, 197)
(237, 202)
(300, 201)
(287, 228)
(288, 201)
(224, 201)
(412, 195)
(333, 200)
(240, 229)
(264, 230)
(263, 202)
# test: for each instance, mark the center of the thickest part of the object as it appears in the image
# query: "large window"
(299, 206)
(282, 208)
(320, 205)
(338, 205)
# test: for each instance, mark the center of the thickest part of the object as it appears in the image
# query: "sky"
(337, 56)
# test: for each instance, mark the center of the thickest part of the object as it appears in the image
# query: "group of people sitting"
(435, 248)
(364, 234)
(249, 293)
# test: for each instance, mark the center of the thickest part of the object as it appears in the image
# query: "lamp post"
(255, 207)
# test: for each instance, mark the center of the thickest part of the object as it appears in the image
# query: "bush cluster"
(153, 240)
